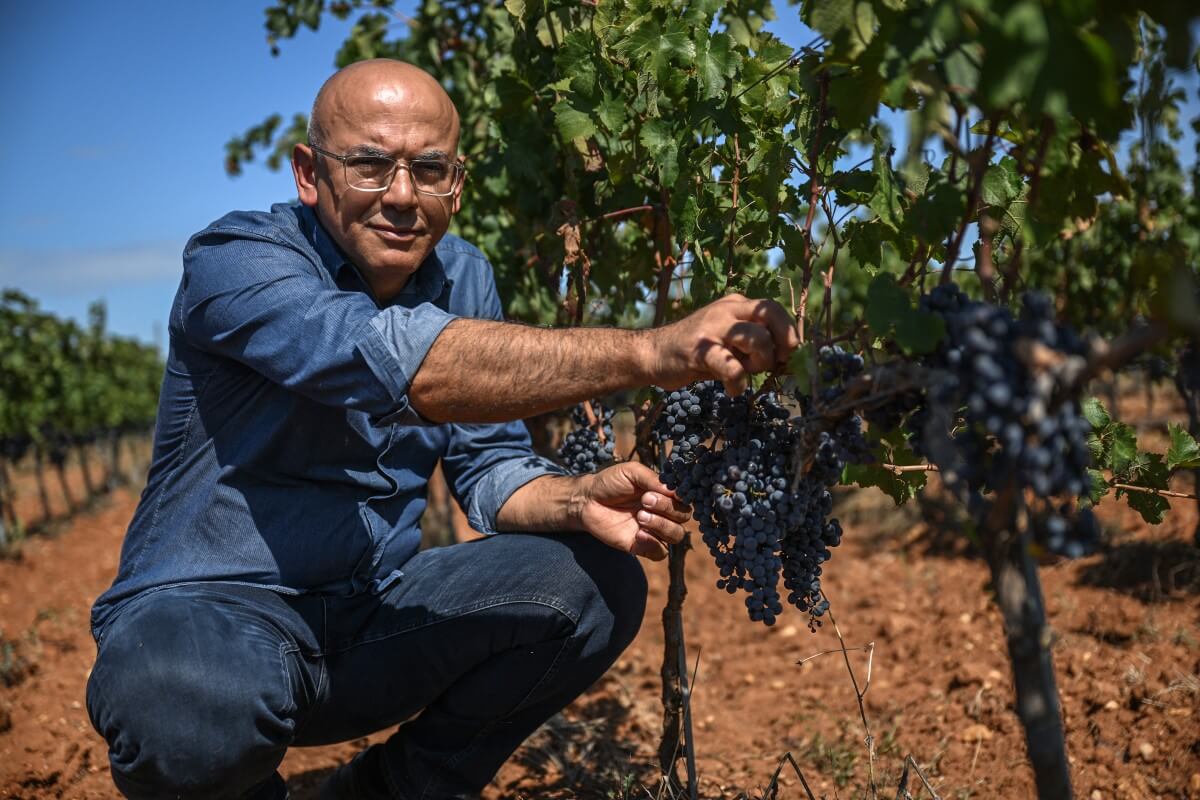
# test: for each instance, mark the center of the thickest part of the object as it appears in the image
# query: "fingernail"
(643, 516)
(649, 499)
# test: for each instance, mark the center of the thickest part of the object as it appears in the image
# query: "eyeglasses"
(375, 173)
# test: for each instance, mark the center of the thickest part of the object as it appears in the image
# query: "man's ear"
(304, 169)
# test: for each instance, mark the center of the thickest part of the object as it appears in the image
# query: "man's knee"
(193, 701)
(617, 588)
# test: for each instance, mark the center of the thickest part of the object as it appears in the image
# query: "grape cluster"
(582, 449)
(688, 416)
(756, 518)
(991, 397)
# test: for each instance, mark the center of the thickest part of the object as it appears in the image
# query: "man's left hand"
(627, 507)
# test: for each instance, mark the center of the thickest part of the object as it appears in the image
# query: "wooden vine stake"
(1019, 596)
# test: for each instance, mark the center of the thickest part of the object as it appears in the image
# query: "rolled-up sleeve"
(266, 305)
(485, 464)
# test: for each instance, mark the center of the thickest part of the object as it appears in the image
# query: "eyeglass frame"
(459, 171)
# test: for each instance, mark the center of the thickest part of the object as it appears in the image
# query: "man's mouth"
(396, 233)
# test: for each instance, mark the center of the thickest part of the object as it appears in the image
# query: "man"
(323, 358)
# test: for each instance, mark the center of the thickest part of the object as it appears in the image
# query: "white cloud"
(90, 270)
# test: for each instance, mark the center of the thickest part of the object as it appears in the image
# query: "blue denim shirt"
(286, 453)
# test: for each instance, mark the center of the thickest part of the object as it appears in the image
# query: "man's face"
(387, 234)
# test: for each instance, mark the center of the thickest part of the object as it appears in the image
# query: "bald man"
(324, 357)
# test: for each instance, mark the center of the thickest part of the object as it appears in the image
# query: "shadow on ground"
(1151, 571)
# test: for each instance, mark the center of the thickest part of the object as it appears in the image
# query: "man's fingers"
(775, 319)
(754, 342)
(669, 507)
(648, 546)
(723, 365)
(662, 528)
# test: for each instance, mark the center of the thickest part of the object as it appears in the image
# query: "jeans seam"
(461, 611)
(285, 650)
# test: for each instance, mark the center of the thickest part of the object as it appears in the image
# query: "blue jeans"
(200, 689)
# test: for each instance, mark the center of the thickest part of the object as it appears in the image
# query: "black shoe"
(359, 779)
(272, 788)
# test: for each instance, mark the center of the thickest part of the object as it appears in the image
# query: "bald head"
(380, 88)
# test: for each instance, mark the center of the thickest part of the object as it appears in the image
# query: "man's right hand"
(728, 340)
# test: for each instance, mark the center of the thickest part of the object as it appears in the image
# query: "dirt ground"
(1126, 646)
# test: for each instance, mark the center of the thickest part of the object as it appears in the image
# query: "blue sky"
(117, 116)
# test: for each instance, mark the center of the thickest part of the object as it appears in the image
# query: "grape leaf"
(886, 202)
(886, 303)
(866, 242)
(716, 60)
(1152, 507)
(1095, 413)
(901, 488)
(571, 122)
(919, 332)
(1152, 473)
(612, 114)
(802, 365)
(1184, 452)
(659, 141)
(891, 448)
(1097, 487)
(1122, 448)
(654, 46)
(829, 17)
(1001, 183)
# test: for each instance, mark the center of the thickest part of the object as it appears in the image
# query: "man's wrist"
(647, 360)
(578, 496)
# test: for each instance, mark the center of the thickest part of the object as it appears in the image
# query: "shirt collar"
(425, 286)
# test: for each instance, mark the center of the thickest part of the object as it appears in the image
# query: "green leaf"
(802, 365)
(891, 448)
(937, 212)
(516, 8)
(1122, 449)
(660, 143)
(612, 114)
(716, 61)
(1097, 486)
(654, 46)
(886, 202)
(901, 488)
(886, 303)
(685, 215)
(1095, 413)
(1151, 473)
(1184, 452)
(571, 122)
(1152, 507)
(865, 241)
(829, 17)
(855, 97)
(1001, 183)
(920, 332)
(575, 60)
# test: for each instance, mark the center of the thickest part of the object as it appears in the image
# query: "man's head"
(380, 108)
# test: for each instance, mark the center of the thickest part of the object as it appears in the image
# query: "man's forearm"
(548, 503)
(485, 371)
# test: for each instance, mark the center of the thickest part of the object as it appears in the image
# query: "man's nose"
(402, 193)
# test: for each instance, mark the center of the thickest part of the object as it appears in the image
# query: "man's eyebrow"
(377, 152)
(368, 150)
